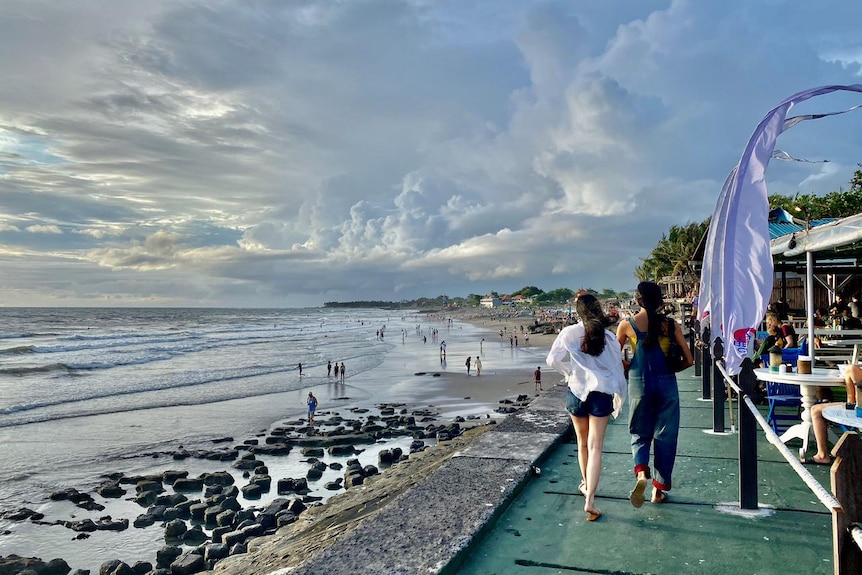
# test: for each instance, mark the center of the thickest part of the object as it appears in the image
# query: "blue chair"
(790, 355)
(785, 396)
(788, 397)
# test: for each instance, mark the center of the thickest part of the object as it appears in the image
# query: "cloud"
(174, 152)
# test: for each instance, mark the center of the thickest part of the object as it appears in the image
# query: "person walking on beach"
(299, 367)
(329, 368)
(653, 393)
(467, 363)
(336, 370)
(478, 366)
(596, 388)
(311, 401)
(537, 379)
(342, 372)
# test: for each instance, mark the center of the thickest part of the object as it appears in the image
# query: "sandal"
(816, 462)
(659, 496)
(637, 494)
(593, 515)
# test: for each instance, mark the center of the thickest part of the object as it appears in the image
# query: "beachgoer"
(480, 344)
(852, 376)
(467, 363)
(653, 393)
(597, 388)
(299, 367)
(329, 368)
(335, 368)
(443, 349)
(478, 366)
(311, 401)
(342, 371)
(537, 378)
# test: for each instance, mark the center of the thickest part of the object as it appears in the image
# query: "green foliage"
(672, 254)
(557, 296)
(473, 300)
(528, 291)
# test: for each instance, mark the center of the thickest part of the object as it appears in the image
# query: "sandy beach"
(413, 377)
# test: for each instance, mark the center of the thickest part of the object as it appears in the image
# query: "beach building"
(490, 301)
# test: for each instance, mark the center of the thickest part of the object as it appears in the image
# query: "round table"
(838, 414)
(808, 384)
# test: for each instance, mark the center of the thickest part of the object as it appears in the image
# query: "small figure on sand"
(336, 370)
(299, 367)
(443, 349)
(537, 379)
(342, 371)
(329, 368)
(480, 344)
(478, 366)
(467, 363)
(311, 401)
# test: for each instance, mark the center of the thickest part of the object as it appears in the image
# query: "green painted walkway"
(544, 530)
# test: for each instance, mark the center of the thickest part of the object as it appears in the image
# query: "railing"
(847, 534)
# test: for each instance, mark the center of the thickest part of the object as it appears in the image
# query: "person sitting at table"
(780, 334)
(848, 321)
(820, 317)
(852, 375)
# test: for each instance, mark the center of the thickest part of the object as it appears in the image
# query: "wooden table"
(808, 384)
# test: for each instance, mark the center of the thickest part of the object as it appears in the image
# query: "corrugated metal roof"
(782, 223)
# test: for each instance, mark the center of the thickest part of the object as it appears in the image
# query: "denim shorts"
(598, 404)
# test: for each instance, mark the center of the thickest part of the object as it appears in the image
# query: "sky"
(285, 153)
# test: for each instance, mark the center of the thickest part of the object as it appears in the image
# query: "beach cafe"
(737, 281)
(826, 257)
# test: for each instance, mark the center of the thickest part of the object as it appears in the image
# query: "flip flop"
(593, 515)
(815, 462)
(637, 494)
(659, 497)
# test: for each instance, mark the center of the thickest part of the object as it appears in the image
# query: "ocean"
(86, 392)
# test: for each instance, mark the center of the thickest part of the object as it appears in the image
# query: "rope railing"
(819, 491)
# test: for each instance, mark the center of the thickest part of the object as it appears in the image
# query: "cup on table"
(782, 368)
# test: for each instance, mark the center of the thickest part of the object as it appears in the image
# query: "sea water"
(84, 392)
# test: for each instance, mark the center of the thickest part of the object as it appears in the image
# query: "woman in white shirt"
(597, 387)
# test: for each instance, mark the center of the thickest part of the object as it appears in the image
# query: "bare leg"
(818, 422)
(595, 443)
(582, 429)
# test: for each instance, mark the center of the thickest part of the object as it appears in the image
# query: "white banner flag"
(737, 275)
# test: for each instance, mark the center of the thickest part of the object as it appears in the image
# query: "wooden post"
(747, 440)
(718, 386)
(706, 385)
(845, 473)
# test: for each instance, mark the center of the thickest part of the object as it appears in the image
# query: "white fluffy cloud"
(286, 153)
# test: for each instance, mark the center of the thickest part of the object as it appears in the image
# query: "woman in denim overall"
(653, 394)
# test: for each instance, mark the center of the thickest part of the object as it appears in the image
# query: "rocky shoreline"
(203, 518)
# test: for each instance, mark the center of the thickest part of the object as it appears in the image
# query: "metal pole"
(747, 440)
(809, 301)
(706, 392)
(718, 386)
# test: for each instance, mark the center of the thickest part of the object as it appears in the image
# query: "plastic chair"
(783, 395)
(790, 355)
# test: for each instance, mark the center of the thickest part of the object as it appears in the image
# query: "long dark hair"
(590, 311)
(650, 298)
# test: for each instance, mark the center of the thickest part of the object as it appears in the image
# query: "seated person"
(848, 321)
(820, 317)
(780, 334)
(852, 375)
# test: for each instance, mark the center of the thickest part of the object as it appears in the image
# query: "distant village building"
(490, 301)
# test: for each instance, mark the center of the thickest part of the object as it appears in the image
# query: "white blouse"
(585, 373)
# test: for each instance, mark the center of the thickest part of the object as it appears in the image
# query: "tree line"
(673, 253)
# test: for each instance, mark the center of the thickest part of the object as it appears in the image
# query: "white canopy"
(824, 238)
